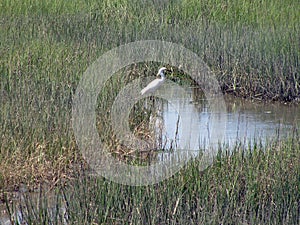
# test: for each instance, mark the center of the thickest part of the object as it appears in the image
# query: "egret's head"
(161, 71)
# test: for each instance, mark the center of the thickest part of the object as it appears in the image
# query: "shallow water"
(25, 203)
(193, 123)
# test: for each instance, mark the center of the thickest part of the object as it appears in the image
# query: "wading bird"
(155, 84)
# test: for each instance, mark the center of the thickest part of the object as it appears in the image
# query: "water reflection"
(198, 127)
(26, 207)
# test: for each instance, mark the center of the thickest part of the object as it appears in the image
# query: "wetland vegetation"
(253, 47)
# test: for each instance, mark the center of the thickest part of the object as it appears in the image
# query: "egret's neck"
(162, 75)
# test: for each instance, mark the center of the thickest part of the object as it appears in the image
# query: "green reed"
(244, 185)
(45, 46)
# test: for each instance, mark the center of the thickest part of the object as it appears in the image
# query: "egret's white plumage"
(155, 84)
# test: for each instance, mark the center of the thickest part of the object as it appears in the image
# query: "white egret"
(155, 84)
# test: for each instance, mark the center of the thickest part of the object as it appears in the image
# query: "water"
(200, 126)
(33, 203)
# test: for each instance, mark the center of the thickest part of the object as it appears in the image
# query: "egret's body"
(155, 84)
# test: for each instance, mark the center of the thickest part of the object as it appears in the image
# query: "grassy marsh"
(253, 47)
(242, 187)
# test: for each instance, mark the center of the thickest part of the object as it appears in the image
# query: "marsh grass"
(139, 117)
(243, 186)
(45, 47)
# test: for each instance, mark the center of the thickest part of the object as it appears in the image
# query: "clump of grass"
(36, 97)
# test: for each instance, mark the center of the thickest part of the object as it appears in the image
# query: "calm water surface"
(191, 124)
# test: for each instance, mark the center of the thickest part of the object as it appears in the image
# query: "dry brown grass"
(21, 170)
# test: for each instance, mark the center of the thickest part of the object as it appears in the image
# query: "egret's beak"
(170, 70)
